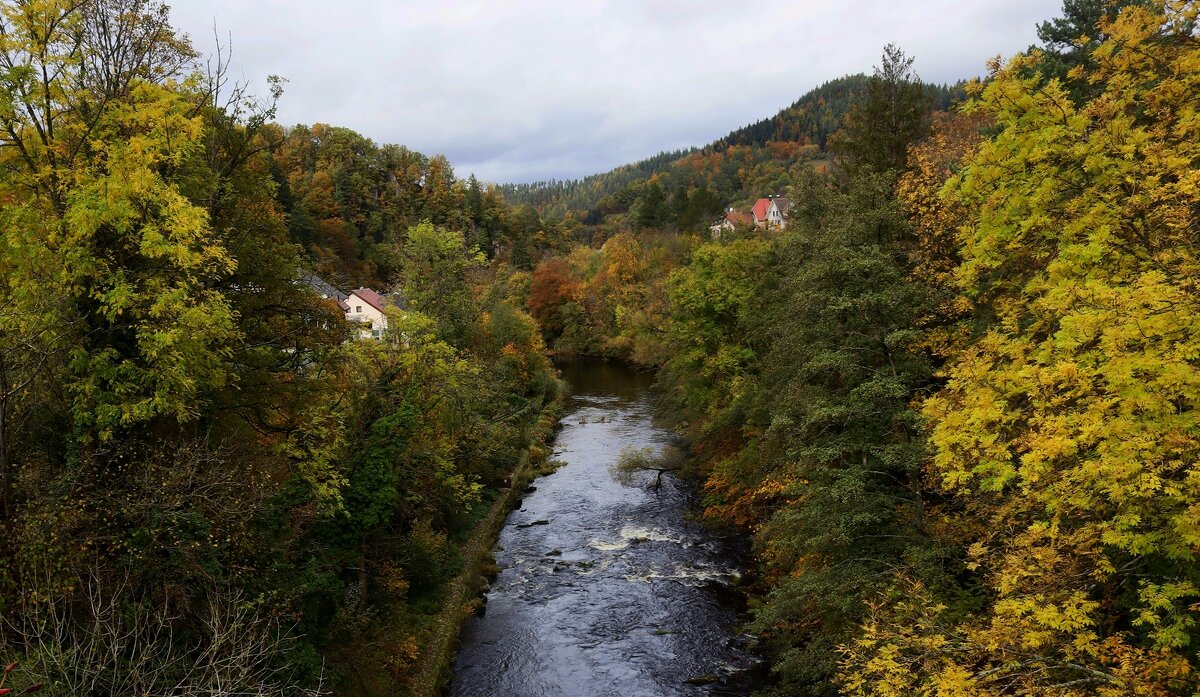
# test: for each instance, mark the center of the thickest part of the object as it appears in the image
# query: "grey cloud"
(532, 89)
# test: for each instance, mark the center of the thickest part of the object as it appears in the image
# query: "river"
(606, 588)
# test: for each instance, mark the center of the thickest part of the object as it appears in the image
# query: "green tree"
(435, 278)
(837, 468)
(893, 115)
(714, 352)
(650, 209)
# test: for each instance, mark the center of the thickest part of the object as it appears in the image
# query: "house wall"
(361, 311)
(775, 216)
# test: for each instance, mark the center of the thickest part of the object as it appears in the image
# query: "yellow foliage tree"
(96, 129)
(1070, 427)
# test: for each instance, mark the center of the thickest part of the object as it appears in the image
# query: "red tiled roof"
(371, 298)
(738, 218)
(760, 209)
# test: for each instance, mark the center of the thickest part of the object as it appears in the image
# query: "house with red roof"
(733, 218)
(363, 306)
(770, 212)
(367, 307)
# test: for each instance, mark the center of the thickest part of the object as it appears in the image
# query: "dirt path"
(437, 660)
(461, 594)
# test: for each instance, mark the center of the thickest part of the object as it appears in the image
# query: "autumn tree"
(551, 287)
(932, 249)
(435, 279)
(1067, 432)
(1068, 41)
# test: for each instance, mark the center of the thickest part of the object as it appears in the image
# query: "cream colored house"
(770, 212)
(777, 212)
(366, 307)
(362, 306)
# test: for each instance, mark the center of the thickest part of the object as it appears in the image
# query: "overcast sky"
(521, 90)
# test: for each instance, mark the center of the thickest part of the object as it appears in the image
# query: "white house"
(777, 212)
(771, 212)
(365, 306)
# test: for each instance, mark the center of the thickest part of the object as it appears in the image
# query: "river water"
(606, 588)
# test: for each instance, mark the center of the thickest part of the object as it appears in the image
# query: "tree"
(135, 258)
(893, 114)
(834, 477)
(933, 251)
(714, 352)
(435, 281)
(650, 208)
(1067, 432)
(634, 461)
(552, 286)
(1068, 41)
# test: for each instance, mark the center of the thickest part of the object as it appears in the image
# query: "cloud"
(533, 89)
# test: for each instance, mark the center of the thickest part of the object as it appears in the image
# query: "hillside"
(697, 184)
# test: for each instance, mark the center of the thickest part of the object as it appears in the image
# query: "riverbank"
(606, 587)
(432, 673)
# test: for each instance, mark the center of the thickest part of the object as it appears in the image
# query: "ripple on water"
(633, 534)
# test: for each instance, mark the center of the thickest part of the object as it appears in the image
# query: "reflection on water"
(618, 593)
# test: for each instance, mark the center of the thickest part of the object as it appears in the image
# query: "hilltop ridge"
(696, 184)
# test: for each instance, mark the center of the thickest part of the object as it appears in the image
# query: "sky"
(527, 90)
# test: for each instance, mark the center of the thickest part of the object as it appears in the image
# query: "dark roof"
(321, 286)
(784, 204)
(372, 298)
(738, 218)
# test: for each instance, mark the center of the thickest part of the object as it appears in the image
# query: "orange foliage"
(553, 285)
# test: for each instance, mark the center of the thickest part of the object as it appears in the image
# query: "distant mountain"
(809, 121)
(557, 196)
(686, 187)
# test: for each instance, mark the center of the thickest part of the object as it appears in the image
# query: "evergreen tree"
(1068, 41)
(842, 448)
(893, 115)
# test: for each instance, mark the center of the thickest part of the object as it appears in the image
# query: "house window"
(358, 308)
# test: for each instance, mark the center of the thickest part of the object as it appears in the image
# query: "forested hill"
(698, 183)
(560, 195)
(809, 121)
